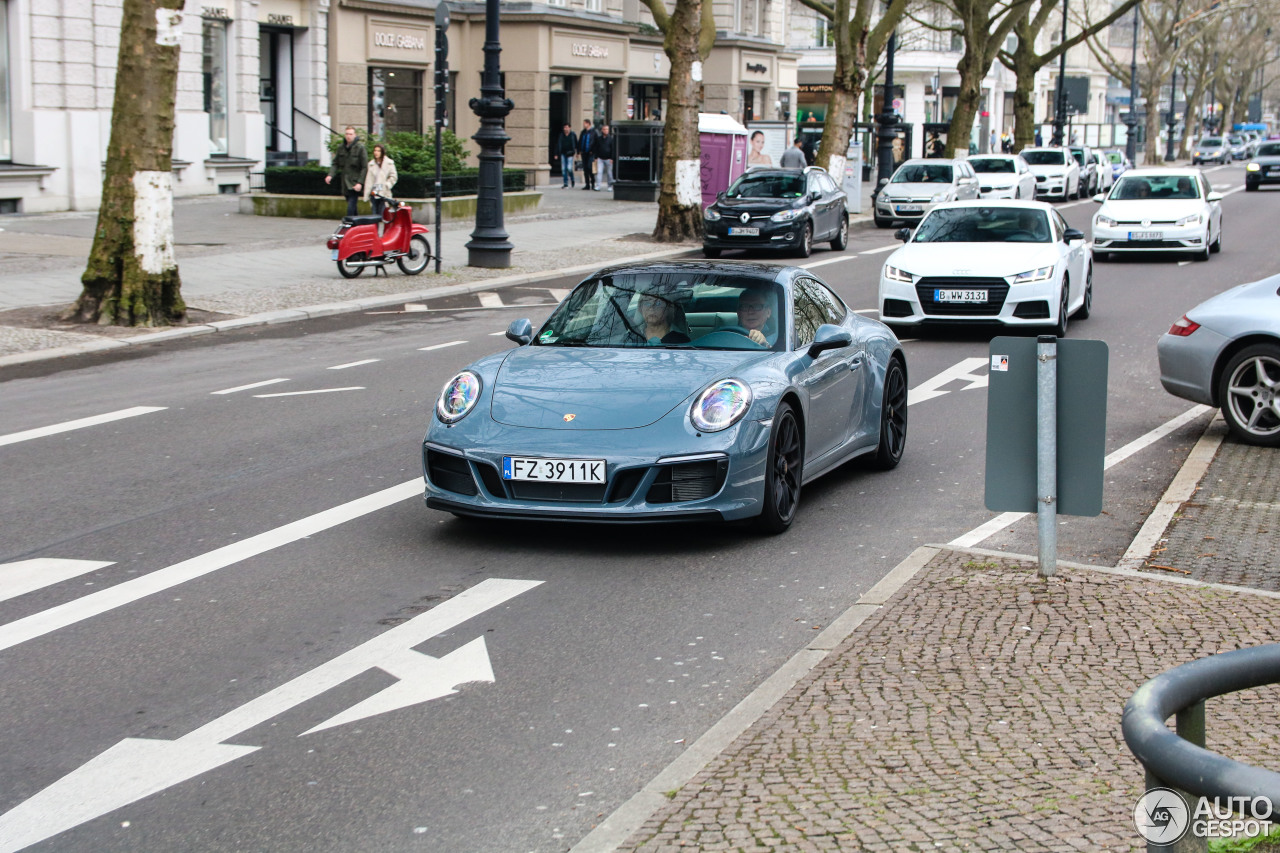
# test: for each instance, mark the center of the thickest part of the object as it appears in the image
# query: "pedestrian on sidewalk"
(793, 157)
(587, 141)
(604, 149)
(566, 148)
(349, 164)
(379, 178)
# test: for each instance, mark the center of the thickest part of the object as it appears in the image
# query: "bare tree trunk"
(1024, 104)
(132, 277)
(1151, 91)
(968, 99)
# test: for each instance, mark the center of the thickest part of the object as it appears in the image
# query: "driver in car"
(753, 313)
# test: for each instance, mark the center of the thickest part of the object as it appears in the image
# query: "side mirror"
(1215, 196)
(1072, 234)
(827, 337)
(520, 331)
(1100, 197)
(721, 195)
(903, 234)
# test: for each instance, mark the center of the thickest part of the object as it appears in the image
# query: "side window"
(815, 186)
(1059, 225)
(832, 308)
(808, 313)
(828, 185)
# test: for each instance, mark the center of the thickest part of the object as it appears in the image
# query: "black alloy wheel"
(1086, 307)
(893, 418)
(1060, 330)
(784, 468)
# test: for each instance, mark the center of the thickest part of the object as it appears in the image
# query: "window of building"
(602, 102)
(215, 83)
(557, 2)
(957, 42)
(593, 5)
(649, 100)
(6, 131)
(824, 34)
(395, 101)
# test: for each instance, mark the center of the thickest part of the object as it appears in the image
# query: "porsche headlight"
(1252, 167)
(1042, 274)
(711, 214)
(458, 397)
(1105, 221)
(721, 406)
(787, 215)
(895, 274)
(1195, 219)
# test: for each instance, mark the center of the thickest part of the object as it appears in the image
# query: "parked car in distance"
(780, 209)
(1003, 176)
(1090, 174)
(676, 391)
(918, 184)
(1210, 149)
(1013, 263)
(1119, 163)
(1159, 210)
(1057, 172)
(1103, 167)
(1225, 352)
(1265, 167)
(1239, 147)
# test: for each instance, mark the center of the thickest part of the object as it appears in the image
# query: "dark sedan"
(781, 209)
(1265, 168)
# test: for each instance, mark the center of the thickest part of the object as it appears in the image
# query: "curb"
(308, 312)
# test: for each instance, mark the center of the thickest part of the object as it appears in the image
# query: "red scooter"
(357, 244)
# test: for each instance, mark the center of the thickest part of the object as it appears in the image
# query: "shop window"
(649, 101)
(6, 132)
(215, 83)
(602, 102)
(395, 101)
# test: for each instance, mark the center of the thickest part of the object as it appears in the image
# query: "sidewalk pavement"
(967, 704)
(240, 269)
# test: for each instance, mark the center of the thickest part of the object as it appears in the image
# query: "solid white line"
(1233, 192)
(440, 346)
(316, 391)
(47, 621)
(29, 575)
(496, 334)
(826, 261)
(881, 249)
(1000, 522)
(67, 426)
(354, 364)
(247, 387)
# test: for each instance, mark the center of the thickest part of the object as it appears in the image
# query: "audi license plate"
(739, 231)
(553, 470)
(959, 296)
(1146, 235)
(910, 208)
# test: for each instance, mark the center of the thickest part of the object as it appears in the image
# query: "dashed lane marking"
(354, 363)
(314, 391)
(888, 248)
(825, 261)
(440, 346)
(250, 385)
(80, 423)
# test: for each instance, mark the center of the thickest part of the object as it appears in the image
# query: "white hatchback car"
(1003, 176)
(1016, 263)
(1159, 210)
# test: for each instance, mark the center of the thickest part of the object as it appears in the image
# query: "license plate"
(959, 296)
(1146, 235)
(739, 231)
(910, 208)
(553, 470)
(334, 255)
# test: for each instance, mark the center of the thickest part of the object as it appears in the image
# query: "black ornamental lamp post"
(1173, 89)
(888, 121)
(1060, 101)
(489, 245)
(1131, 118)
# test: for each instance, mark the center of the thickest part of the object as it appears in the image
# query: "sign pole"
(1047, 453)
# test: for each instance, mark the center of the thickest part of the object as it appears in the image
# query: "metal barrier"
(1180, 761)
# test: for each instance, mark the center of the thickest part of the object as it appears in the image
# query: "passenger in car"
(662, 320)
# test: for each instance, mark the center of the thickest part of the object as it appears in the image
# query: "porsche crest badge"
(569, 417)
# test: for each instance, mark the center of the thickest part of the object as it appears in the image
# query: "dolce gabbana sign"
(398, 42)
(577, 50)
(594, 51)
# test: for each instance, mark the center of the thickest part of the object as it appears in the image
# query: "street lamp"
(1060, 108)
(1173, 89)
(489, 245)
(887, 119)
(1131, 118)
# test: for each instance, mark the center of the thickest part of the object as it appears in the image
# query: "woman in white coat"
(380, 177)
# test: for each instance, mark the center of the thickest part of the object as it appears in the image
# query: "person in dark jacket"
(566, 147)
(587, 141)
(349, 165)
(603, 151)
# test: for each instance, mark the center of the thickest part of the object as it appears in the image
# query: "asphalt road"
(222, 619)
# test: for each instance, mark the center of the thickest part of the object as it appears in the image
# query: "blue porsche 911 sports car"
(670, 392)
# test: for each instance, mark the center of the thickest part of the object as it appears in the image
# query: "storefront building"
(248, 72)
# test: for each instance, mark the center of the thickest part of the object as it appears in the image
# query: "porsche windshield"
(683, 309)
(984, 225)
(768, 186)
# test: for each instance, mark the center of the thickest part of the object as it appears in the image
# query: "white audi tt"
(1015, 263)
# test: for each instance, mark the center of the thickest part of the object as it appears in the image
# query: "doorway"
(557, 118)
(275, 87)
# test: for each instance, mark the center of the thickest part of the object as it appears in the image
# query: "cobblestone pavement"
(1228, 531)
(979, 709)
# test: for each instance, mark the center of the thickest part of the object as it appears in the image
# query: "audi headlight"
(1106, 221)
(711, 214)
(1030, 276)
(895, 274)
(1252, 167)
(721, 406)
(1195, 219)
(787, 215)
(458, 397)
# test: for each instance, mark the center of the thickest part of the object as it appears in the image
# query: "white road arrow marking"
(490, 300)
(931, 388)
(29, 575)
(54, 429)
(136, 767)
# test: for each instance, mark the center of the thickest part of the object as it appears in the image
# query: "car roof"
(745, 269)
(778, 170)
(1157, 171)
(930, 161)
(992, 155)
(1016, 204)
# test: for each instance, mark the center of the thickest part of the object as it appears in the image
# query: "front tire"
(1086, 307)
(842, 234)
(349, 271)
(784, 470)
(805, 249)
(893, 418)
(1064, 313)
(1216, 245)
(418, 258)
(1249, 393)
(708, 252)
